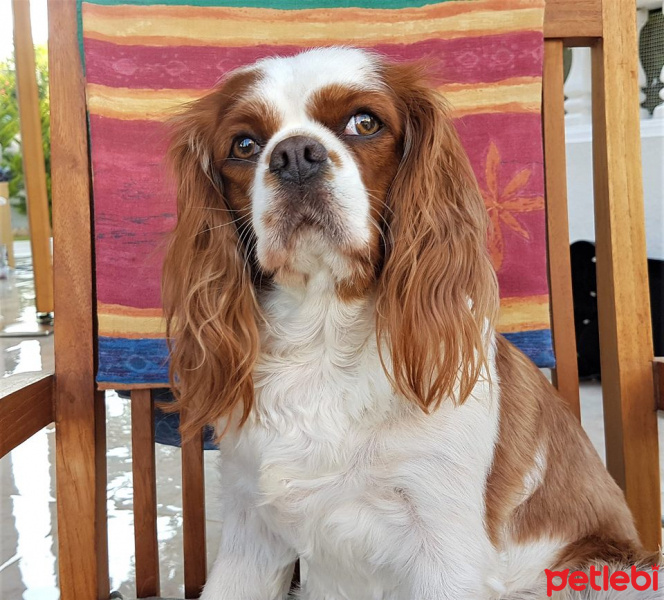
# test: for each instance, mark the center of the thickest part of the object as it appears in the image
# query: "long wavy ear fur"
(209, 300)
(437, 293)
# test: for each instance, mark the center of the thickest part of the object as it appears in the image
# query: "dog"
(331, 308)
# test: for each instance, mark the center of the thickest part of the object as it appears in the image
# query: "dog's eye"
(244, 147)
(362, 124)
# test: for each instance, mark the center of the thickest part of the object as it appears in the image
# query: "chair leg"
(80, 415)
(145, 494)
(565, 375)
(81, 498)
(193, 516)
(622, 275)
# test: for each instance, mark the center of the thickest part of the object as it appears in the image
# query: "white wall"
(580, 183)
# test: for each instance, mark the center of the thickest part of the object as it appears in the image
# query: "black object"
(584, 291)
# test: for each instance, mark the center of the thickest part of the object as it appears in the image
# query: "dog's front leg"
(252, 563)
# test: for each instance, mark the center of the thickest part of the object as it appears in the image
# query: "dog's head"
(330, 162)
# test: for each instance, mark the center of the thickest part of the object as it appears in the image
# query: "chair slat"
(658, 366)
(566, 374)
(193, 516)
(575, 21)
(622, 275)
(145, 493)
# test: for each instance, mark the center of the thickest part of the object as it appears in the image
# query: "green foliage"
(10, 139)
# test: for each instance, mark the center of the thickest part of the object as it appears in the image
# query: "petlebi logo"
(602, 579)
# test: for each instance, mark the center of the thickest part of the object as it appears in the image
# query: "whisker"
(219, 226)
(375, 197)
(246, 242)
(230, 210)
(380, 231)
(388, 226)
(233, 159)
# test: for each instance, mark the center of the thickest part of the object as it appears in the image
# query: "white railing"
(577, 85)
(578, 131)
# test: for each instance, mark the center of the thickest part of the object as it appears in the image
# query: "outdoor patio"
(28, 531)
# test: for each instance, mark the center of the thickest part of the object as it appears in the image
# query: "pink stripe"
(134, 209)
(128, 163)
(134, 203)
(518, 137)
(524, 270)
(130, 274)
(462, 60)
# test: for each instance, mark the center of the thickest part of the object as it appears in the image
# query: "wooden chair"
(70, 396)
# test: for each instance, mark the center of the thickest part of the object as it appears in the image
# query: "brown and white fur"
(331, 307)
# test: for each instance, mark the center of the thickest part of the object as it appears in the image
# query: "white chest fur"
(372, 493)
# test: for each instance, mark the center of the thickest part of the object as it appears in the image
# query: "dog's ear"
(437, 294)
(208, 295)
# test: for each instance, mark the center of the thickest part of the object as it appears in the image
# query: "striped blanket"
(143, 59)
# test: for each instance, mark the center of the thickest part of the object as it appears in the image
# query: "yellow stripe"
(524, 314)
(436, 10)
(505, 97)
(163, 30)
(130, 323)
(131, 311)
(137, 104)
(509, 107)
(512, 82)
(516, 314)
(111, 385)
(158, 105)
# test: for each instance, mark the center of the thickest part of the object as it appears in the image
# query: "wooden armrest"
(26, 405)
(658, 366)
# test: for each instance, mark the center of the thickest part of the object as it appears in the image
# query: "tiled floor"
(28, 533)
(28, 538)
(33, 351)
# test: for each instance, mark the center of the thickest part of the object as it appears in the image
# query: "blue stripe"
(167, 425)
(128, 361)
(131, 361)
(145, 361)
(536, 345)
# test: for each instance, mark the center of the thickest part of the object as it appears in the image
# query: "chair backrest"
(609, 28)
(143, 60)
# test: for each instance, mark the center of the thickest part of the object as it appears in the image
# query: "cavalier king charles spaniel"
(331, 307)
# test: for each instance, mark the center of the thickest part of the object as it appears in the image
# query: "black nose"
(297, 159)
